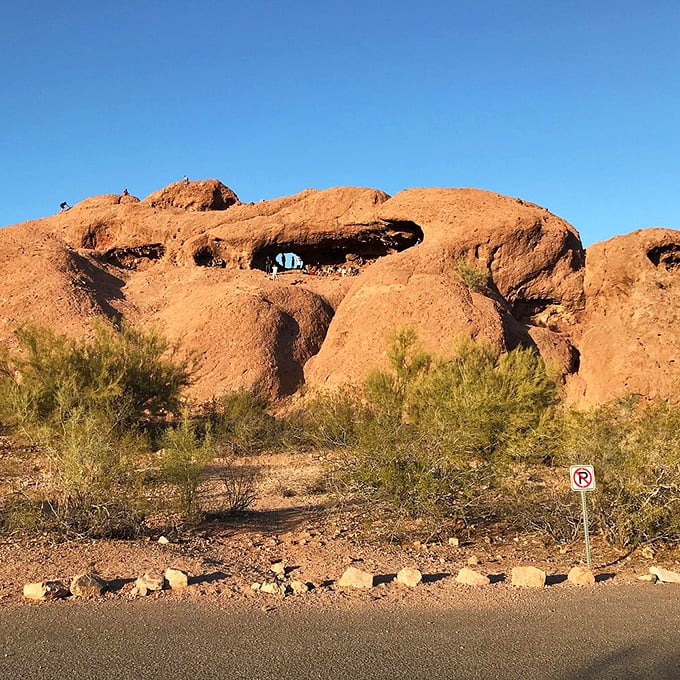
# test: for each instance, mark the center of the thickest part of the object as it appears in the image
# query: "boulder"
(581, 576)
(279, 569)
(356, 578)
(528, 577)
(448, 262)
(148, 583)
(534, 262)
(198, 195)
(665, 575)
(648, 578)
(409, 577)
(629, 340)
(46, 590)
(274, 588)
(87, 585)
(299, 587)
(470, 577)
(176, 578)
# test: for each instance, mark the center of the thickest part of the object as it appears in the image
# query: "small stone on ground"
(470, 577)
(528, 577)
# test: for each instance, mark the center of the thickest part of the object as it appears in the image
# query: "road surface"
(606, 632)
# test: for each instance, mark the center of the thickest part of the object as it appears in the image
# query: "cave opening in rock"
(330, 250)
(209, 256)
(667, 256)
(134, 257)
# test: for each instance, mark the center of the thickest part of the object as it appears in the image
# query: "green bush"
(184, 457)
(443, 431)
(635, 449)
(241, 424)
(474, 277)
(83, 404)
(89, 485)
(123, 377)
(327, 421)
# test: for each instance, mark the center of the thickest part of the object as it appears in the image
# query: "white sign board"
(582, 477)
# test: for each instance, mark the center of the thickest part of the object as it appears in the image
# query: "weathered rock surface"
(197, 195)
(665, 575)
(176, 578)
(470, 577)
(87, 585)
(409, 576)
(629, 331)
(528, 577)
(46, 590)
(356, 578)
(148, 583)
(192, 259)
(581, 576)
(274, 588)
(534, 258)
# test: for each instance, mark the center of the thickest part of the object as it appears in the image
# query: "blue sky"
(570, 104)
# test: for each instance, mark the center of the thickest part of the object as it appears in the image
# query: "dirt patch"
(295, 520)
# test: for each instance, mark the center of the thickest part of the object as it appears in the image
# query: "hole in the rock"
(208, 257)
(331, 252)
(530, 311)
(666, 256)
(288, 261)
(134, 257)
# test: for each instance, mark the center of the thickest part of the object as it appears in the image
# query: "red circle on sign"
(582, 477)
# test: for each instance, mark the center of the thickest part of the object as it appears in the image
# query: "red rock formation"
(191, 258)
(630, 337)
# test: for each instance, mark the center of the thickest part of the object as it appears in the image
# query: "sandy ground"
(294, 520)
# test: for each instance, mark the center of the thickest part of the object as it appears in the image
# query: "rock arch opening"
(337, 250)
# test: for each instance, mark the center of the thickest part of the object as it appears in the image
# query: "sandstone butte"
(191, 259)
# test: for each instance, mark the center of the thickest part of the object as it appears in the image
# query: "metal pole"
(584, 508)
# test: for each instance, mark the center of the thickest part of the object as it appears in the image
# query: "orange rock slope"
(193, 259)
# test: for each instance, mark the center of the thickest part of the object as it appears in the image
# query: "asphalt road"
(617, 632)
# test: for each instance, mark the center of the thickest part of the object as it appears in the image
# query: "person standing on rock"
(275, 271)
(268, 265)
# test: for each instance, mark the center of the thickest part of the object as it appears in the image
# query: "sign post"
(583, 479)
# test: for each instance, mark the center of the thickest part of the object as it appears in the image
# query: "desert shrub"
(486, 407)
(89, 486)
(327, 420)
(239, 488)
(474, 277)
(121, 376)
(443, 431)
(185, 454)
(82, 403)
(241, 424)
(635, 449)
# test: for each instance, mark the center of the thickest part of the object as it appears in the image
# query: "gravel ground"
(316, 543)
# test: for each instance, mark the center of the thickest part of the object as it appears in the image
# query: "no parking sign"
(582, 477)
